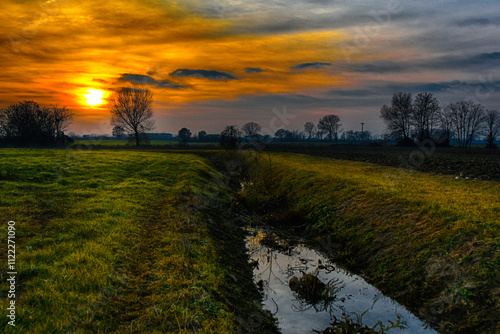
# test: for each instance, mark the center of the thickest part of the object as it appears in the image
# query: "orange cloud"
(59, 49)
(76, 46)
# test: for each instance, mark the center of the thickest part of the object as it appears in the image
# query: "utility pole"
(362, 127)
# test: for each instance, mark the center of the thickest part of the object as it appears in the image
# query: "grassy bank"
(109, 241)
(429, 241)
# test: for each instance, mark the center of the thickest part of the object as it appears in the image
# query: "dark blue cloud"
(487, 57)
(381, 67)
(479, 21)
(458, 63)
(455, 89)
(211, 75)
(350, 92)
(483, 60)
(311, 65)
(460, 86)
(147, 80)
(251, 70)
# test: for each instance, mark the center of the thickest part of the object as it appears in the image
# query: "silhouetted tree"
(443, 135)
(230, 136)
(397, 117)
(330, 124)
(251, 129)
(356, 135)
(28, 123)
(295, 135)
(202, 136)
(184, 135)
(424, 115)
(300, 135)
(466, 119)
(309, 128)
(62, 118)
(365, 135)
(118, 131)
(131, 109)
(492, 127)
(281, 134)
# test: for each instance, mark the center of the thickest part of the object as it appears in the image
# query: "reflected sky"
(354, 296)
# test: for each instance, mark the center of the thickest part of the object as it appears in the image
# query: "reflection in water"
(305, 292)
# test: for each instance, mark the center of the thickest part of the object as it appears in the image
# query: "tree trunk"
(137, 138)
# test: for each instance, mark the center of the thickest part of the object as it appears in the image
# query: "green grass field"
(111, 240)
(105, 243)
(123, 142)
(430, 241)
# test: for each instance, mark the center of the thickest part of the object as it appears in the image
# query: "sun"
(94, 97)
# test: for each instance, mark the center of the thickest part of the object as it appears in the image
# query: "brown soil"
(472, 163)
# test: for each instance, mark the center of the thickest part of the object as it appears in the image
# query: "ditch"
(307, 293)
(364, 235)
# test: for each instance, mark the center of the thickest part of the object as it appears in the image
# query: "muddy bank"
(237, 291)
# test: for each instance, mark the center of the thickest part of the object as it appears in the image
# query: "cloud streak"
(207, 74)
(252, 70)
(315, 65)
(139, 79)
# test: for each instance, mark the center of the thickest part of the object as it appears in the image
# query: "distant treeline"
(410, 121)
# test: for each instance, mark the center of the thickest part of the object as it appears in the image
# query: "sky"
(279, 63)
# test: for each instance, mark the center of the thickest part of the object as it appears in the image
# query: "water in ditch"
(306, 292)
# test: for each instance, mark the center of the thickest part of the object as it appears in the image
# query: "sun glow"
(94, 97)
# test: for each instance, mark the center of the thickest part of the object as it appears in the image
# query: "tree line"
(415, 120)
(409, 120)
(26, 123)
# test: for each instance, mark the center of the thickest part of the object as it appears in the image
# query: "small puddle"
(305, 291)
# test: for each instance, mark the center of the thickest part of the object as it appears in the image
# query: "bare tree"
(424, 115)
(131, 109)
(309, 128)
(357, 135)
(22, 121)
(397, 117)
(229, 137)
(61, 118)
(3, 124)
(446, 128)
(28, 123)
(251, 129)
(281, 134)
(492, 127)
(330, 124)
(466, 119)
